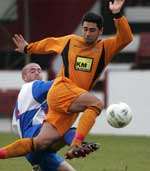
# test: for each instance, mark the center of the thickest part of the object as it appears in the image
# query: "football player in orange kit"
(84, 59)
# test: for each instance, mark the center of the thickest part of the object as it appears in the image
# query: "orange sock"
(19, 148)
(86, 122)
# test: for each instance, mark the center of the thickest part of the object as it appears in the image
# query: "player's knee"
(39, 144)
(42, 143)
(100, 105)
(85, 101)
(47, 136)
(97, 105)
(64, 166)
(93, 101)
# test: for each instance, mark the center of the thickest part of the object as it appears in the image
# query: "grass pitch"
(118, 153)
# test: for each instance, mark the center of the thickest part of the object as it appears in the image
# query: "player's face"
(90, 32)
(33, 72)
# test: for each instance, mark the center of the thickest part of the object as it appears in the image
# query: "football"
(118, 115)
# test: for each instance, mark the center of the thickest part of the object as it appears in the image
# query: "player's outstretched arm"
(20, 42)
(116, 6)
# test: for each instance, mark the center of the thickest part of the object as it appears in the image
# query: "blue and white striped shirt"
(29, 111)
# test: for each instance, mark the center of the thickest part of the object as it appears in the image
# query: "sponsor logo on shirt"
(83, 63)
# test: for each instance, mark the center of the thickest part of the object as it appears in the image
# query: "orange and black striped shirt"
(84, 63)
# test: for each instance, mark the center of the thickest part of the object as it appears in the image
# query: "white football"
(118, 115)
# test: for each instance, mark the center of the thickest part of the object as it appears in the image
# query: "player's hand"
(116, 6)
(81, 151)
(19, 42)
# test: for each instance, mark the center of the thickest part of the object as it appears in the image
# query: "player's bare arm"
(20, 42)
(116, 6)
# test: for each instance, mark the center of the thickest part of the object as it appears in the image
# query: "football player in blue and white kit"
(28, 117)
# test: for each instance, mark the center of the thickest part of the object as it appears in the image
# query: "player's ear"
(24, 77)
(101, 31)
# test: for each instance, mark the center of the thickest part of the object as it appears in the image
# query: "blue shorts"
(48, 161)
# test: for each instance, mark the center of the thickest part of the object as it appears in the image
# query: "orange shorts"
(61, 95)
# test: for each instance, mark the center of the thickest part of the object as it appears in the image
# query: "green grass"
(118, 153)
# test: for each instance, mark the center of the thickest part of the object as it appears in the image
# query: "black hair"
(94, 18)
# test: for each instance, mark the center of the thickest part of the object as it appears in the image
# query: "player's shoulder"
(41, 86)
(41, 82)
(104, 40)
(67, 37)
(72, 37)
(26, 90)
(29, 85)
(75, 37)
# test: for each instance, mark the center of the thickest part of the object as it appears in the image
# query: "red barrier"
(7, 102)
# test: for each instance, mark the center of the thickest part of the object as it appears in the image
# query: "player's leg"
(34, 159)
(18, 148)
(36, 168)
(66, 99)
(65, 140)
(21, 147)
(47, 136)
(91, 107)
(71, 99)
(65, 166)
(84, 101)
(48, 159)
(53, 161)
